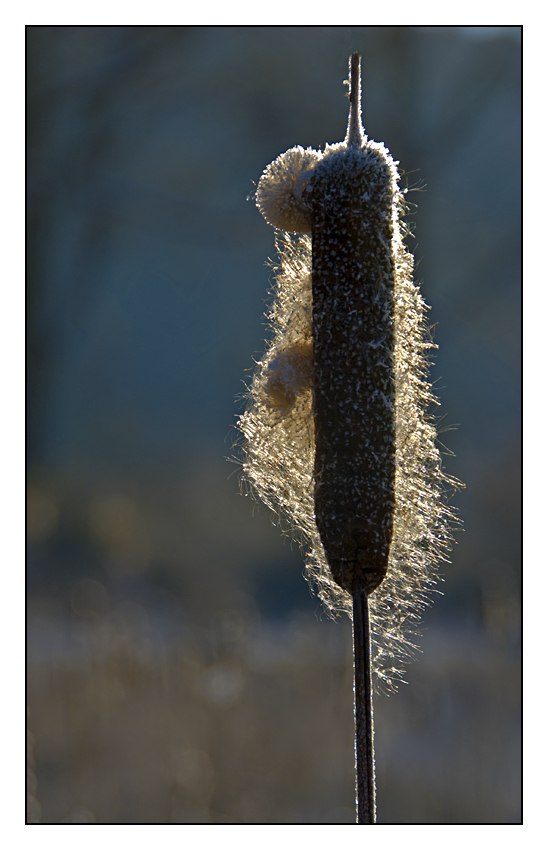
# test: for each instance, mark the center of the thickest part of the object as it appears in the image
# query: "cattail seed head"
(353, 279)
(337, 436)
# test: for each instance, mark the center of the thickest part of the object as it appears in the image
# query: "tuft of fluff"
(280, 193)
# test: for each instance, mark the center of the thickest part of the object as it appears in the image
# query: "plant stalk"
(363, 711)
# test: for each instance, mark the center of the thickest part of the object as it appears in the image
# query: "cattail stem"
(363, 711)
(355, 134)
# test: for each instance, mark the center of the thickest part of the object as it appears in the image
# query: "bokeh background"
(179, 670)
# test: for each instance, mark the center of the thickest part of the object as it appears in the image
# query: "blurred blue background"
(179, 669)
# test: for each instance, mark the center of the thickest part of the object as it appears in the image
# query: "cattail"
(338, 440)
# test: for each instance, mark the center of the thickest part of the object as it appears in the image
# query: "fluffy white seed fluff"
(281, 193)
(278, 427)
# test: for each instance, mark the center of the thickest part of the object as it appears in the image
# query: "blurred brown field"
(140, 714)
(260, 731)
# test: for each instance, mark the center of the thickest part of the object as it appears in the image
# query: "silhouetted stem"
(363, 712)
(355, 133)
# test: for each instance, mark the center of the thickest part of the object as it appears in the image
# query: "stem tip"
(355, 134)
